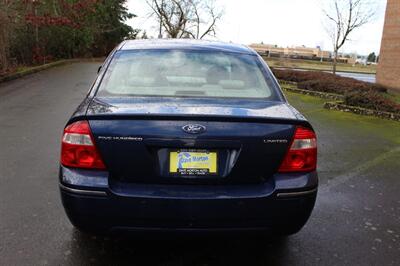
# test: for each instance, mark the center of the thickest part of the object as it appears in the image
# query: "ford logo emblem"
(194, 128)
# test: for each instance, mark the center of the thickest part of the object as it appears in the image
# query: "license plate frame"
(193, 162)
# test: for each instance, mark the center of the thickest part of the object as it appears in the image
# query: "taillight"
(78, 149)
(302, 155)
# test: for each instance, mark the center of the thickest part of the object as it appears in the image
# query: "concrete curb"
(285, 82)
(323, 70)
(339, 106)
(36, 69)
(324, 95)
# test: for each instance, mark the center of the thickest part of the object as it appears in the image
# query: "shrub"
(326, 82)
(299, 76)
(341, 86)
(357, 93)
(371, 100)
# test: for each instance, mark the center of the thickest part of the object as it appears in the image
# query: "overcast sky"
(281, 22)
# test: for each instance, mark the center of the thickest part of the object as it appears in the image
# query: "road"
(356, 220)
(360, 76)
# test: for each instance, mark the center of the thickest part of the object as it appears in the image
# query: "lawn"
(312, 108)
(316, 65)
(348, 142)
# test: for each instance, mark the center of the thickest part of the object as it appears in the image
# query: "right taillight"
(302, 154)
(78, 148)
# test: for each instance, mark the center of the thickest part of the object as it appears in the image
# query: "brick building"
(388, 72)
(302, 51)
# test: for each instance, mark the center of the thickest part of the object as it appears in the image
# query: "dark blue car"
(187, 136)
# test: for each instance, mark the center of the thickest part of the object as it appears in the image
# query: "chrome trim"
(194, 128)
(83, 192)
(296, 194)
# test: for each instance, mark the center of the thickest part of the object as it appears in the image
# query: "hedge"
(355, 92)
(326, 82)
(372, 100)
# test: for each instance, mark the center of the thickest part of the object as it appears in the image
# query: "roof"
(185, 44)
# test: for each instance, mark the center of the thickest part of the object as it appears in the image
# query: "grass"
(312, 108)
(349, 143)
(26, 70)
(316, 65)
(289, 86)
(22, 69)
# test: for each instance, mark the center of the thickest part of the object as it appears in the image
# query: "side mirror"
(98, 70)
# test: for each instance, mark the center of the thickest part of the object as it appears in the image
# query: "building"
(292, 52)
(388, 72)
(347, 60)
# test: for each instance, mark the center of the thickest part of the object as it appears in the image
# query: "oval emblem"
(194, 128)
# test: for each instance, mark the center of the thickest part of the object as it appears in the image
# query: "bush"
(357, 93)
(326, 82)
(371, 100)
(299, 76)
(340, 86)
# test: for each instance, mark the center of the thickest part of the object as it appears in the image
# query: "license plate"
(188, 162)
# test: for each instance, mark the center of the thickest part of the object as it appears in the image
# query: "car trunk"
(137, 147)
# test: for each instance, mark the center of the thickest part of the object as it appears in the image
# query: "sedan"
(191, 136)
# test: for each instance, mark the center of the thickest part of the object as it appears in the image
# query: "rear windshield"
(182, 73)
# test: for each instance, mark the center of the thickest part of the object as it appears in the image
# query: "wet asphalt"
(360, 76)
(356, 220)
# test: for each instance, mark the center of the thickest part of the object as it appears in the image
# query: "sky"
(282, 22)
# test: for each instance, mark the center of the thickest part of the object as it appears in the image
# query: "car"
(187, 136)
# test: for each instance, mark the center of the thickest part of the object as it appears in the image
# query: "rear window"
(183, 73)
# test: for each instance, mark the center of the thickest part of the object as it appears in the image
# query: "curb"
(339, 106)
(323, 70)
(36, 69)
(324, 95)
(285, 82)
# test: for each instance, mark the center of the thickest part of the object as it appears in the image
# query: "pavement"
(366, 77)
(356, 220)
(360, 76)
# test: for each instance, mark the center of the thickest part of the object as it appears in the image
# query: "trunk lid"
(136, 136)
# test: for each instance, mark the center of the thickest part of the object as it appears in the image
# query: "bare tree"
(186, 18)
(343, 18)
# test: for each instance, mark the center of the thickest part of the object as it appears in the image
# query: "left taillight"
(302, 154)
(78, 149)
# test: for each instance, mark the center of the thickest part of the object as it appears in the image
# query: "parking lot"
(356, 220)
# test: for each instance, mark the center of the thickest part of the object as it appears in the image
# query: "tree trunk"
(4, 49)
(334, 62)
(160, 30)
(4, 36)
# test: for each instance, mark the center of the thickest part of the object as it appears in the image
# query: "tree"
(108, 25)
(36, 31)
(144, 35)
(61, 28)
(9, 21)
(343, 18)
(186, 18)
(371, 57)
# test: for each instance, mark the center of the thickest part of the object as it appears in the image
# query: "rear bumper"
(283, 204)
